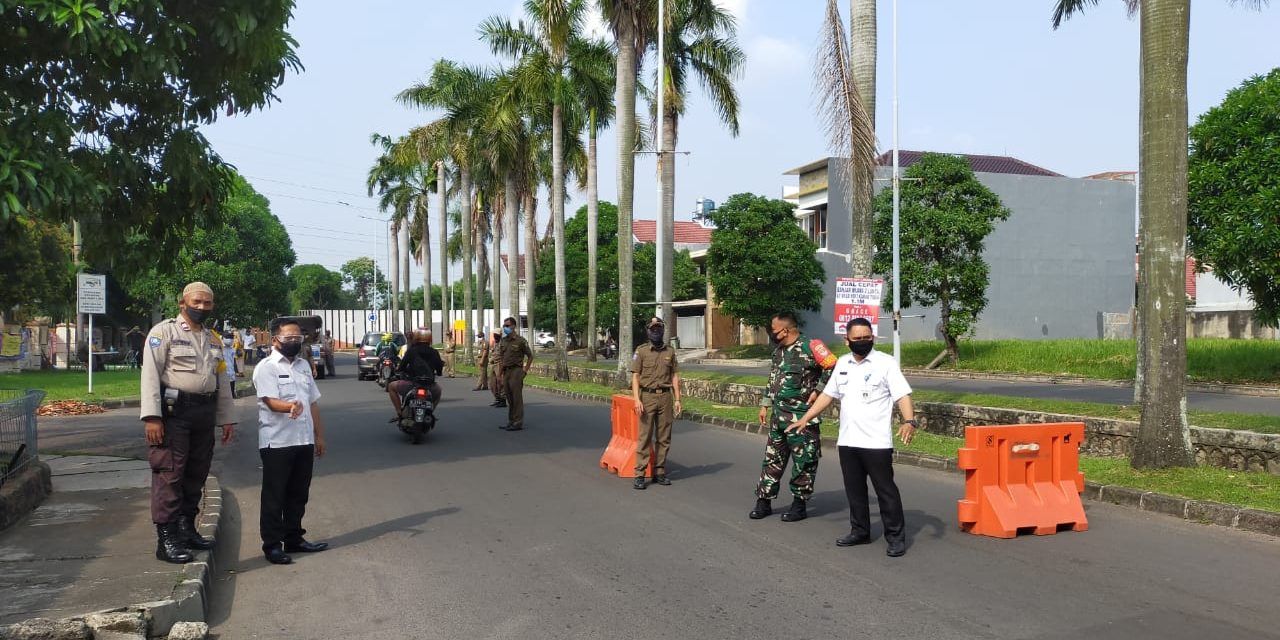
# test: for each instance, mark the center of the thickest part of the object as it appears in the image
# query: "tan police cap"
(194, 287)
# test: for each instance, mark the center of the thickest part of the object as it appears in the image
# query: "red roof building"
(979, 163)
(688, 235)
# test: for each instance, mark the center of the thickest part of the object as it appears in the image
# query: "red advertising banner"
(858, 298)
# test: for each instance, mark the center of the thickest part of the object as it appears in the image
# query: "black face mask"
(290, 350)
(862, 347)
(195, 315)
(655, 336)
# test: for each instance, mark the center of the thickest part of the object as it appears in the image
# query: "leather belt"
(654, 389)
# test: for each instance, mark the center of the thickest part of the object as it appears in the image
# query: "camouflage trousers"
(803, 448)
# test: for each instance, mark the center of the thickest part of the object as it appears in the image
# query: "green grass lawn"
(1248, 489)
(74, 385)
(1208, 359)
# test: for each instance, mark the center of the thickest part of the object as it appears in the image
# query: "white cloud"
(737, 7)
(769, 57)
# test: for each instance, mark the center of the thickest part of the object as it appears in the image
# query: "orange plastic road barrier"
(620, 455)
(1022, 477)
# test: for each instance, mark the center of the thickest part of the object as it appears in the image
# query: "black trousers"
(857, 464)
(286, 486)
(180, 463)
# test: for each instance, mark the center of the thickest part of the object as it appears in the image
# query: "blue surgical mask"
(506, 331)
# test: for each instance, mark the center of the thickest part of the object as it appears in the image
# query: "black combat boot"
(764, 508)
(191, 538)
(796, 513)
(168, 547)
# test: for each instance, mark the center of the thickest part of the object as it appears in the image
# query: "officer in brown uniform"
(495, 373)
(655, 388)
(482, 362)
(515, 358)
(449, 350)
(183, 397)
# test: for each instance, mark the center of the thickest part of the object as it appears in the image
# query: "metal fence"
(17, 429)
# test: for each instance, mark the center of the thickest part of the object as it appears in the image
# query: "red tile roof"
(1123, 176)
(519, 266)
(980, 164)
(646, 231)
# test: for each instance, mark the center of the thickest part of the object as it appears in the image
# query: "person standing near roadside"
(800, 369)
(495, 373)
(290, 438)
(182, 399)
(655, 389)
(868, 383)
(449, 350)
(515, 359)
(482, 362)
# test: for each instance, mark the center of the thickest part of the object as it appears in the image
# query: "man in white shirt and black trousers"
(868, 383)
(290, 437)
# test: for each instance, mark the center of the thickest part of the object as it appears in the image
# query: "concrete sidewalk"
(90, 547)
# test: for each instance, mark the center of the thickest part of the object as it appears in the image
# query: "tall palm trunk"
(467, 308)
(512, 201)
(862, 54)
(1163, 437)
(480, 226)
(625, 99)
(668, 176)
(530, 242)
(496, 264)
(557, 221)
(405, 257)
(393, 242)
(593, 225)
(424, 246)
(445, 302)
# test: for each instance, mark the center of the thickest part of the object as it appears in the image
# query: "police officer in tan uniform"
(515, 358)
(495, 373)
(655, 388)
(482, 362)
(183, 397)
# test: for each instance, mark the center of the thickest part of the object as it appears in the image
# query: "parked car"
(546, 339)
(367, 357)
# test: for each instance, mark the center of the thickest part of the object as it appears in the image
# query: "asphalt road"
(480, 533)
(1199, 400)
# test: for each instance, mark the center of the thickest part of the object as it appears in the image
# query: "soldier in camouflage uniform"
(795, 379)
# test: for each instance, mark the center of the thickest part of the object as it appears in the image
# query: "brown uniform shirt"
(176, 357)
(654, 368)
(482, 356)
(513, 350)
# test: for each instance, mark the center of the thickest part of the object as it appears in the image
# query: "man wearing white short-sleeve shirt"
(868, 383)
(290, 437)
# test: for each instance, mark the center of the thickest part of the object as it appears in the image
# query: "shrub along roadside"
(1245, 489)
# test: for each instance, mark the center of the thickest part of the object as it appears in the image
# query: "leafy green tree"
(945, 218)
(243, 259)
(35, 266)
(760, 262)
(689, 283)
(314, 287)
(1234, 192)
(100, 104)
(364, 281)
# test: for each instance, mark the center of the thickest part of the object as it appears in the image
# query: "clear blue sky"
(974, 77)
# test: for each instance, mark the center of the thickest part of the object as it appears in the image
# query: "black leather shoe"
(504, 427)
(764, 509)
(168, 547)
(853, 539)
(639, 483)
(515, 427)
(278, 556)
(796, 513)
(897, 548)
(302, 546)
(662, 480)
(190, 538)
(499, 403)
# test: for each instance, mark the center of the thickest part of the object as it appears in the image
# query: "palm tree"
(628, 20)
(699, 37)
(1164, 439)
(846, 105)
(596, 96)
(464, 94)
(390, 180)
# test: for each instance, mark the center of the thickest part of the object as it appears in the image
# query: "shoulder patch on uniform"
(154, 341)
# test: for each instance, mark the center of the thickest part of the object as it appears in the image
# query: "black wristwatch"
(911, 422)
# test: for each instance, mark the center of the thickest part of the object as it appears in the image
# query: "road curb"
(1203, 511)
(23, 492)
(188, 601)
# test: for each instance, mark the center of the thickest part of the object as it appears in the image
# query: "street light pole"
(897, 192)
(660, 221)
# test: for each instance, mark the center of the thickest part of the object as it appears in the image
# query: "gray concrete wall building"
(1064, 256)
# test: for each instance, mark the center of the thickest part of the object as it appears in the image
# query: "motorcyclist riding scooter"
(418, 368)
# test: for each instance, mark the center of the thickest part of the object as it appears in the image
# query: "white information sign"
(91, 293)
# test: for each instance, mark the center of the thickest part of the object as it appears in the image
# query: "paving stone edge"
(1203, 511)
(188, 601)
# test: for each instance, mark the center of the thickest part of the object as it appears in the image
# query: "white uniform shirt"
(866, 391)
(276, 377)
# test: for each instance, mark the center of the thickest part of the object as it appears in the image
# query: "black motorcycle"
(417, 410)
(387, 363)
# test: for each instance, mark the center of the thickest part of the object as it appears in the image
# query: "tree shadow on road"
(409, 524)
(678, 471)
